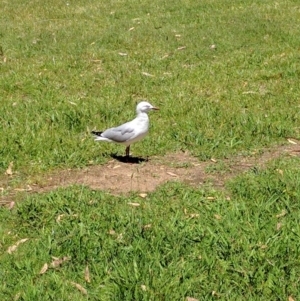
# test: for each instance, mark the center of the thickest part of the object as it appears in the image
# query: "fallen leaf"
(24, 189)
(278, 226)
(283, 213)
(249, 92)
(193, 215)
(143, 195)
(79, 287)
(13, 248)
(17, 296)
(87, 274)
(134, 204)
(191, 299)
(111, 232)
(9, 171)
(131, 28)
(280, 171)
(59, 261)
(44, 269)
(11, 205)
(171, 174)
(292, 141)
(181, 47)
(59, 218)
(147, 74)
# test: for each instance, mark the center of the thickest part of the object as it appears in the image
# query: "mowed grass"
(226, 77)
(71, 66)
(178, 243)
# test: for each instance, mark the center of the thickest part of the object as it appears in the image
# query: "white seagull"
(131, 131)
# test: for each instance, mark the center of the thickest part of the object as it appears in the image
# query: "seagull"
(131, 131)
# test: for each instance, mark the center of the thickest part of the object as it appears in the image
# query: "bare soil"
(119, 176)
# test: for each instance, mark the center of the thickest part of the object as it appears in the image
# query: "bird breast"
(141, 124)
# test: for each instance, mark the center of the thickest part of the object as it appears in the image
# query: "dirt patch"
(122, 177)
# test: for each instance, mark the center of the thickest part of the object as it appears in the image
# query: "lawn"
(226, 78)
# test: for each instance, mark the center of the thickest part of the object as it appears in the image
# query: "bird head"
(145, 107)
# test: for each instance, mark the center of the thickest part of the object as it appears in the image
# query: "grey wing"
(119, 134)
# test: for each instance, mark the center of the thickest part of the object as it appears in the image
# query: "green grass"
(246, 248)
(63, 73)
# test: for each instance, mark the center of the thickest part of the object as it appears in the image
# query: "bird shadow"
(132, 160)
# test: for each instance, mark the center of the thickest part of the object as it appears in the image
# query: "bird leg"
(127, 151)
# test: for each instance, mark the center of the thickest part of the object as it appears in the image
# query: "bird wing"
(121, 133)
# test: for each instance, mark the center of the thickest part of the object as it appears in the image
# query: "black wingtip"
(96, 133)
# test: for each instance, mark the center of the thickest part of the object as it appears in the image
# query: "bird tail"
(98, 134)
(98, 137)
